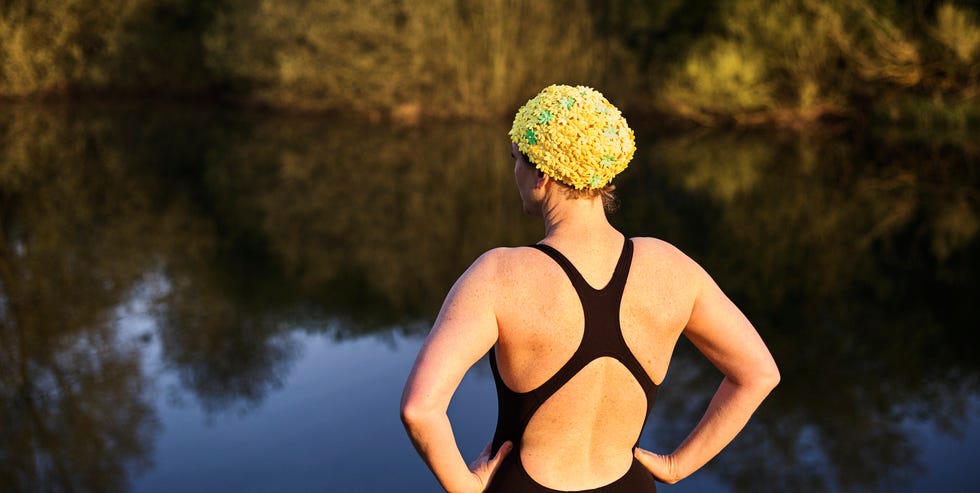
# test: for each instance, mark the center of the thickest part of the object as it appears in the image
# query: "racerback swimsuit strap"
(602, 337)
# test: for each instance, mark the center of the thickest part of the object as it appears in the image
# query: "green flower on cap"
(531, 137)
(545, 117)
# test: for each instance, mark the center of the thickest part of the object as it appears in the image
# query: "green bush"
(441, 58)
(50, 46)
(712, 61)
(719, 78)
(805, 57)
(58, 48)
(957, 29)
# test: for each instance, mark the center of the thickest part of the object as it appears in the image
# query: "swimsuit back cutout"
(602, 337)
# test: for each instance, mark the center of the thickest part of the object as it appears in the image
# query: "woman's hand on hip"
(484, 467)
(661, 466)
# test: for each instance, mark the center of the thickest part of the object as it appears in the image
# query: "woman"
(580, 328)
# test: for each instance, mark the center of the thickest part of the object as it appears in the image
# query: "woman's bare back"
(583, 435)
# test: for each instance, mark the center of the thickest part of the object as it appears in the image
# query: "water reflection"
(73, 410)
(854, 254)
(843, 257)
(373, 223)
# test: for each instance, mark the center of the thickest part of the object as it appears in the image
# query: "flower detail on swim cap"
(530, 136)
(545, 117)
(574, 135)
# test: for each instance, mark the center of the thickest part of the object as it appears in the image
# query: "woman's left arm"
(464, 331)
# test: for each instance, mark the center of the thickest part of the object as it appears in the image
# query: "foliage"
(312, 55)
(957, 29)
(50, 45)
(712, 61)
(442, 58)
(810, 57)
(719, 77)
(56, 48)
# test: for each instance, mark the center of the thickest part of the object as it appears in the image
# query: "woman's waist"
(575, 468)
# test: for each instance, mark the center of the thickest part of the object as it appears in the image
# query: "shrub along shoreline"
(795, 63)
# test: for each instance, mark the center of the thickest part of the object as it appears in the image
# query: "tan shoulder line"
(500, 261)
(661, 246)
(663, 251)
(503, 254)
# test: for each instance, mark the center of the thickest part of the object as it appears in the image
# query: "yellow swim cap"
(574, 135)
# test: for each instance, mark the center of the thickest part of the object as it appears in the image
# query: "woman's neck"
(578, 220)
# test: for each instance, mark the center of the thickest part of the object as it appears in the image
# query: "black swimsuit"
(602, 337)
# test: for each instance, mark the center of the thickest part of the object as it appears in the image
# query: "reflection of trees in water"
(73, 415)
(370, 218)
(243, 218)
(255, 228)
(858, 279)
(94, 204)
(228, 346)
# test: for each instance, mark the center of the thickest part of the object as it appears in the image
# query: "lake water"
(208, 300)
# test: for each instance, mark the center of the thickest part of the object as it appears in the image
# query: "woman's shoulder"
(501, 262)
(504, 255)
(647, 245)
(649, 250)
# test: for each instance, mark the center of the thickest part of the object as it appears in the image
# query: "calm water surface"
(199, 300)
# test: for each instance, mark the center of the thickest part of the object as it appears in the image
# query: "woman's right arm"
(726, 337)
(463, 332)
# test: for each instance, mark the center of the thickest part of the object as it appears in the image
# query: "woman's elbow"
(768, 377)
(411, 412)
(414, 412)
(407, 413)
(761, 378)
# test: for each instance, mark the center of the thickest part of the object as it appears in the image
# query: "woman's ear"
(543, 179)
